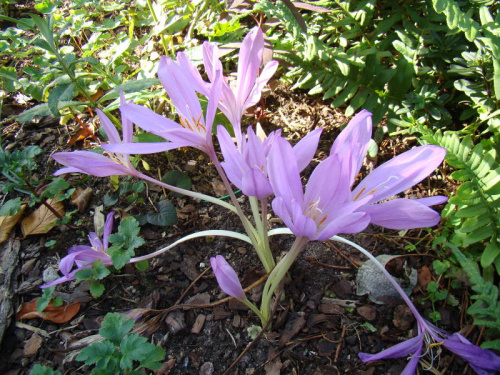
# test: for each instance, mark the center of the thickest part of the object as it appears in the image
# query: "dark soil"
(320, 324)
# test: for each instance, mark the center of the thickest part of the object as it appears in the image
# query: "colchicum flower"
(194, 130)
(239, 95)
(389, 179)
(99, 165)
(227, 277)
(82, 256)
(325, 208)
(246, 164)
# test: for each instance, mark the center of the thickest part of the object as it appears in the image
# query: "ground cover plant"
(404, 64)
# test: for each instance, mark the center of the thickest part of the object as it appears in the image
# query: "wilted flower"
(227, 277)
(482, 361)
(82, 256)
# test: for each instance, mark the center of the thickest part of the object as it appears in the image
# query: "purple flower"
(482, 361)
(99, 165)
(246, 164)
(82, 256)
(325, 208)
(227, 278)
(389, 179)
(194, 130)
(245, 92)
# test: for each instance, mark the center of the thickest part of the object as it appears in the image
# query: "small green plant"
(121, 352)
(43, 370)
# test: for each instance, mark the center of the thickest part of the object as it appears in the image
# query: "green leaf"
(61, 93)
(130, 86)
(147, 138)
(40, 110)
(44, 300)
(178, 179)
(56, 187)
(85, 274)
(166, 215)
(96, 289)
(120, 257)
(43, 370)
(115, 327)
(142, 265)
(99, 270)
(99, 352)
(11, 207)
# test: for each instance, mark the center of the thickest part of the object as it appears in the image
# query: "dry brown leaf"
(59, 314)
(81, 198)
(8, 222)
(42, 219)
(79, 135)
(32, 345)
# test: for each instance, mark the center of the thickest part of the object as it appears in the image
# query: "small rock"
(207, 368)
(50, 274)
(241, 250)
(342, 289)
(175, 321)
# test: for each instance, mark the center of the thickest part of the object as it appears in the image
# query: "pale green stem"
(384, 271)
(249, 228)
(254, 308)
(265, 237)
(278, 273)
(189, 193)
(155, 18)
(262, 230)
(204, 233)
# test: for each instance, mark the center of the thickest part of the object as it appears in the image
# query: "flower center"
(315, 213)
(193, 125)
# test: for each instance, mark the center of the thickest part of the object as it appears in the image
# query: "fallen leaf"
(42, 219)
(59, 314)
(8, 222)
(294, 325)
(79, 135)
(274, 365)
(81, 198)
(32, 345)
(424, 277)
(218, 187)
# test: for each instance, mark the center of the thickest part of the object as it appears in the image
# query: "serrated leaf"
(98, 352)
(96, 289)
(43, 370)
(115, 327)
(83, 274)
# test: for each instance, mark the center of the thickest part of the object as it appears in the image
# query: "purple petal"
(63, 279)
(234, 165)
(305, 149)
(90, 163)
(250, 57)
(108, 227)
(411, 346)
(352, 143)
(147, 119)
(127, 126)
(95, 242)
(227, 277)
(483, 361)
(402, 214)
(293, 217)
(283, 171)
(400, 173)
(144, 148)
(432, 201)
(265, 75)
(256, 184)
(109, 128)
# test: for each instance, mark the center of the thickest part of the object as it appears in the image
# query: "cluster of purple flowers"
(265, 166)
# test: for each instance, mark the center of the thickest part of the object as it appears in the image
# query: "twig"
(332, 246)
(341, 341)
(39, 331)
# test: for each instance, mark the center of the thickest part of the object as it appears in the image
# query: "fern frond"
(477, 199)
